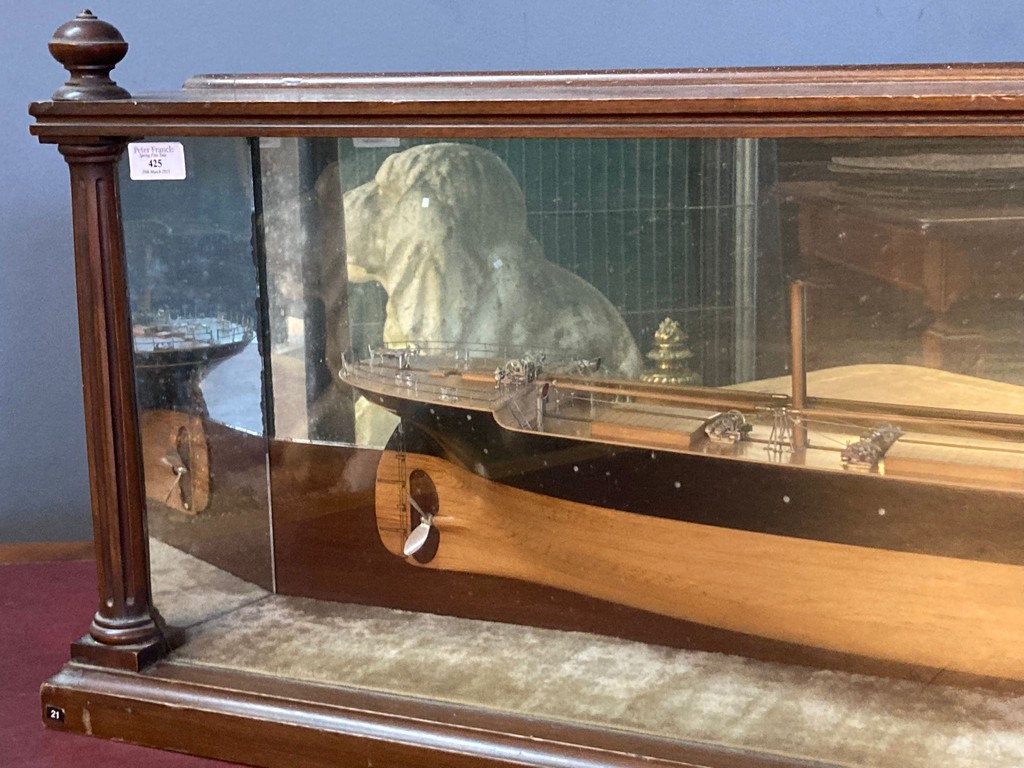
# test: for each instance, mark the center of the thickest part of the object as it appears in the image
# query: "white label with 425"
(156, 160)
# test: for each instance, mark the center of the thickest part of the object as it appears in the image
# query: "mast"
(798, 362)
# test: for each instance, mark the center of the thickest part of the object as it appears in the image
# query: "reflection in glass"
(193, 292)
(911, 251)
(754, 396)
(591, 250)
(582, 245)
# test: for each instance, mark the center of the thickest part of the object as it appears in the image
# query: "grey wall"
(43, 487)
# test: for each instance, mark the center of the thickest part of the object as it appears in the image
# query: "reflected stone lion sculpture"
(442, 227)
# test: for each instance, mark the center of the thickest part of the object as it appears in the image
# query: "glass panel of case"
(756, 396)
(193, 287)
(809, 285)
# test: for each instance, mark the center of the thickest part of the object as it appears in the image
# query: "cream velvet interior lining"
(833, 717)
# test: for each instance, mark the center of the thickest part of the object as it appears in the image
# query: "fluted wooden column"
(123, 617)
(125, 632)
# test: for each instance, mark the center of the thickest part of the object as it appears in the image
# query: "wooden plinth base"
(269, 722)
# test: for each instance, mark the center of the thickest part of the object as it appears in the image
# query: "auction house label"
(156, 160)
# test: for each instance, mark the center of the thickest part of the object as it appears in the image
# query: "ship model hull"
(628, 499)
(783, 497)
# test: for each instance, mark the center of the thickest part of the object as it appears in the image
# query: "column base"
(131, 658)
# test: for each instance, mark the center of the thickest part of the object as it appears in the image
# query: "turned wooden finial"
(88, 48)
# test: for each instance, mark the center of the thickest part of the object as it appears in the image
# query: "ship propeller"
(418, 538)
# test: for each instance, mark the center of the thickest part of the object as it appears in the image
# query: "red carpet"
(43, 607)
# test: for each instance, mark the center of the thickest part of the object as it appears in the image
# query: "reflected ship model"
(835, 523)
(172, 355)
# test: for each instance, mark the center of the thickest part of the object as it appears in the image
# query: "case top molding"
(956, 99)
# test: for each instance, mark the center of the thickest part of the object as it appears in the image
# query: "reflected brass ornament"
(670, 355)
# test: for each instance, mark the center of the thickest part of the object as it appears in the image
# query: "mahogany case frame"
(115, 674)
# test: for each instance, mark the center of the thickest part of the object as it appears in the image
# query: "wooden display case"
(892, 557)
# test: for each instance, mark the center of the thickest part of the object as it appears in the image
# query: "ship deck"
(658, 417)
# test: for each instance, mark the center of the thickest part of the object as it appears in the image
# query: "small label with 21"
(156, 161)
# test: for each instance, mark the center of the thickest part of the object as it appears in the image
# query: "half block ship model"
(881, 531)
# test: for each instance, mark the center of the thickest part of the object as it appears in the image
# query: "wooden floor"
(43, 607)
